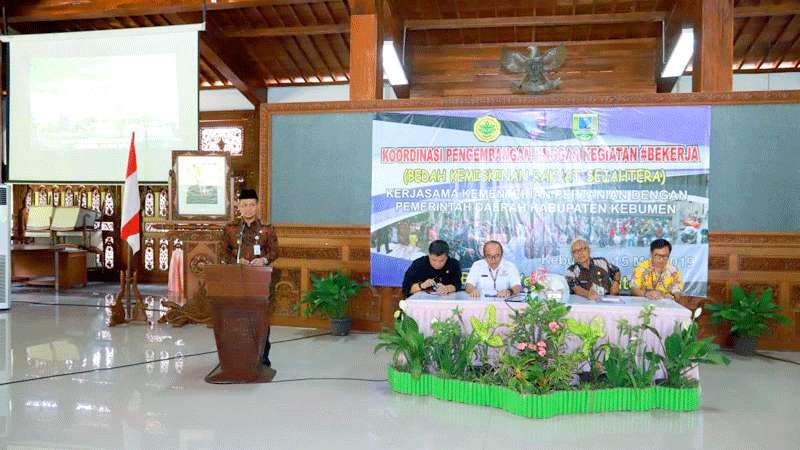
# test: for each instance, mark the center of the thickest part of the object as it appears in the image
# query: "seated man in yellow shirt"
(656, 278)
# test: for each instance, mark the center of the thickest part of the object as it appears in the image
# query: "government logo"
(585, 125)
(487, 128)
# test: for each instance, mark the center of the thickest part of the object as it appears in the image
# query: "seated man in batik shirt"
(591, 277)
(655, 278)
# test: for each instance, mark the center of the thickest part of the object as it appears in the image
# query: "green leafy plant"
(485, 331)
(749, 315)
(406, 343)
(589, 351)
(450, 349)
(520, 372)
(683, 350)
(629, 363)
(330, 295)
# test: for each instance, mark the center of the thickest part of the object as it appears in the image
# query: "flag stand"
(128, 291)
(130, 235)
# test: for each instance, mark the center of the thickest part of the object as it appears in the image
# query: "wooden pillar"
(366, 42)
(712, 69)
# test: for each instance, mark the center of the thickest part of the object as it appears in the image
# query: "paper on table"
(611, 300)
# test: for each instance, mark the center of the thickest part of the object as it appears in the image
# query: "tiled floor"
(68, 381)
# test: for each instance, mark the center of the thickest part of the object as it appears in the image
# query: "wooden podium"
(239, 297)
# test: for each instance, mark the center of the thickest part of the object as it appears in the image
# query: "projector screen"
(75, 99)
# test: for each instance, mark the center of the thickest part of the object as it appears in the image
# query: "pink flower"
(542, 352)
(553, 326)
(520, 345)
(531, 346)
(542, 345)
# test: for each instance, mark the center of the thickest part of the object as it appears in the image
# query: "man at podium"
(250, 242)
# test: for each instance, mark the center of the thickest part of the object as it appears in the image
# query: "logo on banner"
(487, 129)
(585, 125)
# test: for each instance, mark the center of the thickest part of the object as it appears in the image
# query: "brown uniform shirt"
(239, 234)
(600, 272)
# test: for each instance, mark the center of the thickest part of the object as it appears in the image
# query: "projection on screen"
(75, 98)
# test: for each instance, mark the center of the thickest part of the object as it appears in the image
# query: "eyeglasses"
(493, 257)
(580, 249)
(660, 256)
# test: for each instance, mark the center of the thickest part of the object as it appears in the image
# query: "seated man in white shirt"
(492, 276)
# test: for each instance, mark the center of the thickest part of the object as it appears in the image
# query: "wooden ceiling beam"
(769, 10)
(213, 49)
(50, 10)
(534, 21)
(310, 30)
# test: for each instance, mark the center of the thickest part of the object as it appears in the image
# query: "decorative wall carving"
(286, 288)
(718, 263)
(769, 264)
(359, 254)
(554, 100)
(310, 252)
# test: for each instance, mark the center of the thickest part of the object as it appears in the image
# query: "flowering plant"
(536, 281)
(538, 337)
(533, 355)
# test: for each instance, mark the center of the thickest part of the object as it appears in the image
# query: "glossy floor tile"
(68, 381)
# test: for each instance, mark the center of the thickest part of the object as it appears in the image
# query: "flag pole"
(130, 233)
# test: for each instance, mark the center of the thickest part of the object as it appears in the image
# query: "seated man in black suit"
(436, 272)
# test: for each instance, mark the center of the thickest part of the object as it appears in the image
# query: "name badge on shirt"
(257, 250)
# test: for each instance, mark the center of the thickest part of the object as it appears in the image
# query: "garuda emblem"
(535, 68)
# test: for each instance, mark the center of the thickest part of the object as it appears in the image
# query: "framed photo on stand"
(200, 187)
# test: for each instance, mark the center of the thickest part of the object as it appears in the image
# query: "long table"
(425, 307)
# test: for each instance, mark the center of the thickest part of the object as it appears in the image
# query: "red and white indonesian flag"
(131, 231)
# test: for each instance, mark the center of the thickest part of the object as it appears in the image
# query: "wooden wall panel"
(770, 261)
(625, 66)
(758, 261)
(304, 250)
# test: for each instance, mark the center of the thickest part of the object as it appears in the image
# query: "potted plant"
(683, 350)
(406, 343)
(749, 316)
(330, 296)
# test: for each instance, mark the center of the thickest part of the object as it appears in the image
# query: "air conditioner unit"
(5, 246)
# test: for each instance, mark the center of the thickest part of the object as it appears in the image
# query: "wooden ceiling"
(253, 44)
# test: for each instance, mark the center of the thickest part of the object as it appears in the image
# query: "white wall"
(323, 93)
(781, 81)
(223, 100)
(232, 99)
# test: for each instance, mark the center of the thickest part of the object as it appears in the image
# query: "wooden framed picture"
(200, 187)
